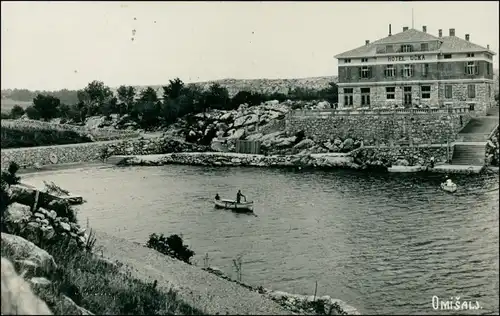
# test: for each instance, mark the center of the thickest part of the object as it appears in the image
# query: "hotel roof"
(449, 44)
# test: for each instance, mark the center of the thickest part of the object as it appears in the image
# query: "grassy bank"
(102, 287)
(26, 136)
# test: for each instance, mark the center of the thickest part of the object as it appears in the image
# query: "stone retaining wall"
(33, 157)
(431, 128)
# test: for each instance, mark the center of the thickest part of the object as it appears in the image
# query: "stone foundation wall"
(403, 156)
(432, 128)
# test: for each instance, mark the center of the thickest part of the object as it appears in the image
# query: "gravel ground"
(196, 287)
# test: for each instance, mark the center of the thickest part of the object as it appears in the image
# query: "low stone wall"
(33, 157)
(401, 155)
(399, 128)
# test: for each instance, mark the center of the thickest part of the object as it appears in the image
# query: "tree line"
(148, 110)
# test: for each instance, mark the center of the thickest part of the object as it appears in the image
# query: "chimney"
(367, 42)
(467, 37)
(488, 46)
(390, 30)
(424, 29)
(452, 32)
(440, 33)
(405, 28)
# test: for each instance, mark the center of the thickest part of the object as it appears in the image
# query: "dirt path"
(196, 287)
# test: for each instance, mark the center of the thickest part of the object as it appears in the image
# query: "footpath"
(198, 288)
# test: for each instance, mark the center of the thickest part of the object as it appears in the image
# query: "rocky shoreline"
(234, 159)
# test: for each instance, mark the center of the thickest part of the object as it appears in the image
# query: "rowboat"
(235, 207)
(449, 188)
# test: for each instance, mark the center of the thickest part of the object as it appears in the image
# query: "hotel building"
(416, 69)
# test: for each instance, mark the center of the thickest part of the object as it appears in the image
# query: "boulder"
(323, 105)
(348, 144)
(305, 143)
(16, 217)
(71, 308)
(237, 134)
(22, 249)
(17, 297)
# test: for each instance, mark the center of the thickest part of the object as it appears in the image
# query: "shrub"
(17, 111)
(32, 113)
(171, 246)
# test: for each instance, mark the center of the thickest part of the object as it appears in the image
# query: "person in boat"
(239, 195)
(217, 197)
(449, 183)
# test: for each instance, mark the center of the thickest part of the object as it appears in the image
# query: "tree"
(126, 98)
(331, 94)
(148, 108)
(216, 97)
(174, 89)
(95, 95)
(46, 105)
(16, 112)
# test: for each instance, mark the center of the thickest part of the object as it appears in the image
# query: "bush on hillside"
(32, 113)
(16, 112)
(12, 137)
(171, 246)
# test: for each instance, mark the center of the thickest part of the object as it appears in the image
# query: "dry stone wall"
(34, 157)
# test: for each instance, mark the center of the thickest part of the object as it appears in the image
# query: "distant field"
(8, 104)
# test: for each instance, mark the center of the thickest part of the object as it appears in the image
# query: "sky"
(55, 45)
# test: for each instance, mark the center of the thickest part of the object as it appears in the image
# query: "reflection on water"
(385, 243)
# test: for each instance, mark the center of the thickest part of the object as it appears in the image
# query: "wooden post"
(35, 204)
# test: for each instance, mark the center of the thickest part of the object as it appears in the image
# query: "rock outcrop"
(233, 159)
(492, 150)
(17, 296)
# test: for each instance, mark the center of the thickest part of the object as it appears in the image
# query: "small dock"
(406, 169)
(461, 169)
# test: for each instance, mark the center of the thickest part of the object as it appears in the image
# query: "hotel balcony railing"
(378, 111)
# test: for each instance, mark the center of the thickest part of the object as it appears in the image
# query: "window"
(389, 49)
(364, 60)
(471, 68)
(448, 90)
(390, 71)
(425, 92)
(365, 72)
(488, 69)
(489, 90)
(390, 93)
(348, 96)
(425, 70)
(471, 91)
(365, 96)
(408, 70)
(424, 47)
(470, 55)
(447, 56)
(347, 61)
(406, 48)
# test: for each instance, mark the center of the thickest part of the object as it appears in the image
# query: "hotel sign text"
(405, 58)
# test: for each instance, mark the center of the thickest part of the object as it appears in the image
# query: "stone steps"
(468, 155)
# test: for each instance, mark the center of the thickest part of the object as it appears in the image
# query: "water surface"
(384, 243)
